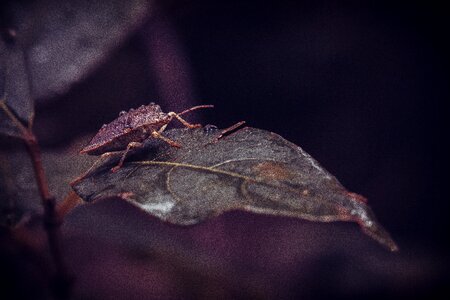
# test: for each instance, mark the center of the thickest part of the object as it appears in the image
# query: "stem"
(51, 220)
(36, 158)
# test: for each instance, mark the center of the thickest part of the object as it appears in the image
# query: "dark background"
(360, 85)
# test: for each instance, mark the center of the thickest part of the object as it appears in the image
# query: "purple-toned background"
(360, 86)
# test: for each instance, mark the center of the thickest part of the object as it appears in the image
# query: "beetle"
(131, 128)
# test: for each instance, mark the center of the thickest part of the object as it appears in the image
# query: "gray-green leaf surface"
(251, 169)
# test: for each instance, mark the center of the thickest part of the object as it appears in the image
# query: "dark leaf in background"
(57, 43)
(46, 47)
(7, 126)
(237, 255)
(19, 195)
(16, 83)
(252, 170)
(14, 86)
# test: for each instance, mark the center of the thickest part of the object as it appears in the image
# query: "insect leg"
(227, 131)
(230, 129)
(124, 155)
(162, 128)
(158, 135)
(184, 122)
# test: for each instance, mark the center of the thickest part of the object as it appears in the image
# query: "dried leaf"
(251, 169)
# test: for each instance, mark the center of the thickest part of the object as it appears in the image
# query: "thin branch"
(35, 153)
(51, 220)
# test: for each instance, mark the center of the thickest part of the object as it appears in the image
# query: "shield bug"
(131, 128)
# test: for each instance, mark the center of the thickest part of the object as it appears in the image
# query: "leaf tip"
(378, 233)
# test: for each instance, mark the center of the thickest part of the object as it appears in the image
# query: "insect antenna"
(194, 108)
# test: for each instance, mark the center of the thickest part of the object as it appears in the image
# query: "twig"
(51, 220)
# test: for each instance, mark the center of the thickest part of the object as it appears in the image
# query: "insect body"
(133, 127)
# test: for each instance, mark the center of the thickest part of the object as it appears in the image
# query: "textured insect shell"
(116, 143)
(133, 126)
